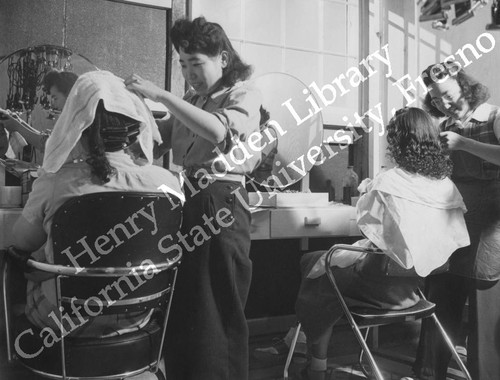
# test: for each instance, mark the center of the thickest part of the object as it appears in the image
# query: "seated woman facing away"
(412, 212)
(86, 154)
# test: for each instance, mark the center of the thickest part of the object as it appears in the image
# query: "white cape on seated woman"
(413, 213)
(407, 216)
(86, 154)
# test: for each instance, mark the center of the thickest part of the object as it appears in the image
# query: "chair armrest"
(20, 258)
(100, 271)
(348, 247)
(380, 265)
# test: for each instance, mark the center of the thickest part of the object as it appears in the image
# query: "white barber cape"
(415, 220)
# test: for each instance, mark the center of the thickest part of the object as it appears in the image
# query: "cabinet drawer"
(313, 222)
(259, 228)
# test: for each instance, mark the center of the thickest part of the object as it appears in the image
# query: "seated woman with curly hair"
(397, 209)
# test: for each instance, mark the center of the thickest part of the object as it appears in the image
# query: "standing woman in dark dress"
(474, 270)
(208, 333)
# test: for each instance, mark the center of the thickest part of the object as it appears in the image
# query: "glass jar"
(350, 182)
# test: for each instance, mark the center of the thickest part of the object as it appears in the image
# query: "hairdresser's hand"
(144, 87)
(4, 141)
(452, 140)
(7, 121)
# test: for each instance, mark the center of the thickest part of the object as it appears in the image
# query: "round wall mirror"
(21, 83)
(21, 78)
(292, 132)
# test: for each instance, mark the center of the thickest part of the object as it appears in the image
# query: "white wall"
(393, 22)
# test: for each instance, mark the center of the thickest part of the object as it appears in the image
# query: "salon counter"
(280, 236)
(267, 223)
(336, 219)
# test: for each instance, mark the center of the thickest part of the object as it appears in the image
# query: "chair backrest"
(110, 233)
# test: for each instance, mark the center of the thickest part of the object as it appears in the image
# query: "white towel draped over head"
(79, 112)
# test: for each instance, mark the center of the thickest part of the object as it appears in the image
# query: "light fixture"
(434, 16)
(438, 11)
(26, 69)
(495, 16)
(446, 4)
(431, 10)
(441, 24)
(465, 10)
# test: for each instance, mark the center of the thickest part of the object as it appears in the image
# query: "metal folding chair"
(365, 318)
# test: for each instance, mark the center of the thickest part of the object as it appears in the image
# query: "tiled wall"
(118, 37)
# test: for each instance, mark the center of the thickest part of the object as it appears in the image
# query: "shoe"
(279, 351)
(309, 374)
(280, 347)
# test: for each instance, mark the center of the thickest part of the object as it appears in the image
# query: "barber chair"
(114, 253)
(366, 318)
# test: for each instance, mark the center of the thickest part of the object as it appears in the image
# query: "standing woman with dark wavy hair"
(208, 333)
(475, 270)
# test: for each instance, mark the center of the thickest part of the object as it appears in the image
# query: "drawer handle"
(312, 222)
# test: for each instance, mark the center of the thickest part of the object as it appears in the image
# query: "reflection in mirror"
(21, 90)
(290, 131)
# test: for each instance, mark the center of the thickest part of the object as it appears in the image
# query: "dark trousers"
(207, 335)
(450, 292)
(363, 284)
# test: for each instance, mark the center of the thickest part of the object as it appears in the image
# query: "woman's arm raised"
(488, 152)
(200, 122)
